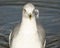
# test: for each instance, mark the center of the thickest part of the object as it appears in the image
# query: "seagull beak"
(30, 16)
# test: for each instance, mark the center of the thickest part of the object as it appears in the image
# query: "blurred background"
(10, 16)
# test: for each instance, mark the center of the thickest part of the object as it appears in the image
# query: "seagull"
(30, 33)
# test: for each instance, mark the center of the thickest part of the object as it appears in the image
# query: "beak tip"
(30, 16)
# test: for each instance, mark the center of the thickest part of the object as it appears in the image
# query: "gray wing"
(13, 34)
(41, 33)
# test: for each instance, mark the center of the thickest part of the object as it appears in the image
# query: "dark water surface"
(10, 15)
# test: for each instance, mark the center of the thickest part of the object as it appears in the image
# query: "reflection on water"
(49, 16)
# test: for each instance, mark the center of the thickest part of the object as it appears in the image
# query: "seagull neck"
(27, 20)
(30, 24)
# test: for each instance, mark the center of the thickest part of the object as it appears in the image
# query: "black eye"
(36, 12)
(24, 10)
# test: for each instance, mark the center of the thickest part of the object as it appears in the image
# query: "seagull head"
(29, 11)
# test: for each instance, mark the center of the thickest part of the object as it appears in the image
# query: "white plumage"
(27, 34)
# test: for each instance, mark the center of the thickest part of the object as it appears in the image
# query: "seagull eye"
(36, 12)
(24, 10)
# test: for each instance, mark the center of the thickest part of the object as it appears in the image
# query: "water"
(10, 15)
